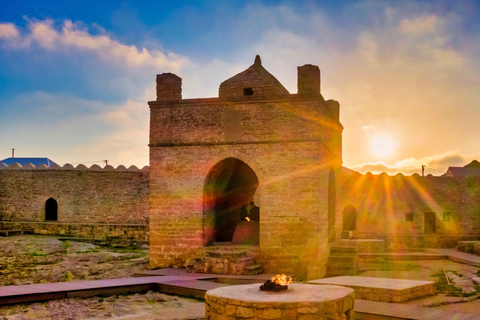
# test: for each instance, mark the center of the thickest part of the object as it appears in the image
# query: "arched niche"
(229, 185)
(51, 210)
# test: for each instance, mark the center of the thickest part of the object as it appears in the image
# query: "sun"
(382, 146)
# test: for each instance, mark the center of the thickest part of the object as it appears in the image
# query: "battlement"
(68, 166)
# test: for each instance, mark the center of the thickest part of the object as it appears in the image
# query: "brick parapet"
(67, 166)
(279, 121)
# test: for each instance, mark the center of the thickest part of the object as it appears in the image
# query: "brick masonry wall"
(202, 121)
(290, 144)
(96, 231)
(83, 196)
(383, 201)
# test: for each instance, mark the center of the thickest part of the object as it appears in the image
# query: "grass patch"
(89, 250)
(68, 276)
(443, 286)
(66, 246)
(128, 250)
(36, 253)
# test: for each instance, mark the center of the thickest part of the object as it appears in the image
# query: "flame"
(281, 279)
(247, 218)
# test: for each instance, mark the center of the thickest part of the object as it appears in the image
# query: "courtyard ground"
(32, 259)
(29, 259)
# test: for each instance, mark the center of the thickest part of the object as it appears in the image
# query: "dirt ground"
(32, 259)
(29, 259)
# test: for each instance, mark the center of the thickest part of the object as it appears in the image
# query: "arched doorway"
(349, 218)
(51, 209)
(230, 185)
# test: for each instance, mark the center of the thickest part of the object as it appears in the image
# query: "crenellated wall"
(397, 208)
(85, 198)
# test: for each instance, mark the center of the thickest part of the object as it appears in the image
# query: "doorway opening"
(230, 187)
(51, 210)
(349, 221)
(430, 220)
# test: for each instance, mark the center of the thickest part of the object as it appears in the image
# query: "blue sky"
(75, 77)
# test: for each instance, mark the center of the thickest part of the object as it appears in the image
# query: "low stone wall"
(137, 232)
(476, 249)
(382, 289)
(364, 245)
(300, 302)
(400, 242)
(467, 246)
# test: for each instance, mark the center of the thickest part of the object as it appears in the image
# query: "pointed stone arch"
(51, 210)
(230, 184)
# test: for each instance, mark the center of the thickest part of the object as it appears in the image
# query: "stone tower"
(256, 142)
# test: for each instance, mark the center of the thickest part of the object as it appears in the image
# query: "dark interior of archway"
(349, 218)
(51, 209)
(234, 187)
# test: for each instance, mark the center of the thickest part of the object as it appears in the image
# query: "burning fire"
(277, 283)
(281, 279)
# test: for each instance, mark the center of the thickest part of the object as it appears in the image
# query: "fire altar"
(297, 302)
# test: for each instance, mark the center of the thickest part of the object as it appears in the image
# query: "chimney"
(169, 87)
(308, 80)
(334, 107)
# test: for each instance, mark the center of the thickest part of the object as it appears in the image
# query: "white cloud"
(126, 144)
(435, 164)
(391, 66)
(75, 36)
(8, 31)
(418, 25)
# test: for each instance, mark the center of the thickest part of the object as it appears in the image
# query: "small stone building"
(211, 157)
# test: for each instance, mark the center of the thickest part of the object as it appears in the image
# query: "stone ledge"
(382, 289)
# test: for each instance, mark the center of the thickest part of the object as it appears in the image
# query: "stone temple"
(210, 158)
(255, 142)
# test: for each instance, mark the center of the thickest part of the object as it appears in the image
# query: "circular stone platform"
(299, 302)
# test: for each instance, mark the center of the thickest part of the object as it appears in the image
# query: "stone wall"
(393, 208)
(87, 197)
(86, 231)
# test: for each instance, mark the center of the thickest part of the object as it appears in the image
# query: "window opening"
(446, 216)
(409, 217)
(248, 91)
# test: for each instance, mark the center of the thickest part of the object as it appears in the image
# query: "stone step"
(253, 269)
(6, 233)
(343, 260)
(227, 254)
(343, 251)
(340, 271)
(246, 261)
